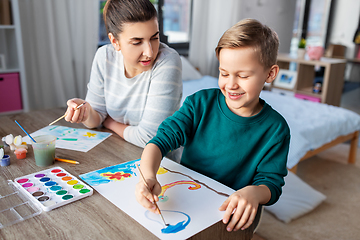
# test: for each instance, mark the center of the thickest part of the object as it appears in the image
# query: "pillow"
(297, 199)
(188, 71)
(192, 86)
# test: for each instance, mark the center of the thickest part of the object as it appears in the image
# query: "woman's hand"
(74, 114)
(241, 207)
(146, 198)
(117, 127)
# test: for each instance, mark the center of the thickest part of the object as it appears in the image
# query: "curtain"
(210, 19)
(60, 39)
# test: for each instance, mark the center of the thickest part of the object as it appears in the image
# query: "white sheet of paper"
(77, 139)
(189, 201)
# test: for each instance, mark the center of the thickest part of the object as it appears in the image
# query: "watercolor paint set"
(29, 195)
(53, 188)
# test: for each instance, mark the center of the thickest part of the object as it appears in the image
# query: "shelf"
(7, 27)
(11, 48)
(324, 61)
(308, 91)
(10, 70)
(333, 79)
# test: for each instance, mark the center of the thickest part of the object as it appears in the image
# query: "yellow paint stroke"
(118, 176)
(161, 171)
(170, 185)
(89, 134)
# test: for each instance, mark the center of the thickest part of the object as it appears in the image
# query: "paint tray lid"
(14, 205)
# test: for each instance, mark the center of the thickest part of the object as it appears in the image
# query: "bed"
(314, 127)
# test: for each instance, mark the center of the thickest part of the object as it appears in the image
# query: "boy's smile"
(235, 96)
(241, 79)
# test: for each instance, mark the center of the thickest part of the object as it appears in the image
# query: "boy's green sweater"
(236, 151)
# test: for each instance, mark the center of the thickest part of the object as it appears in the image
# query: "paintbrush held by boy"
(229, 134)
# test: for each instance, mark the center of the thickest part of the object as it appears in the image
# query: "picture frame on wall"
(286, 79)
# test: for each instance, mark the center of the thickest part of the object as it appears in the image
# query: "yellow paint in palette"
(53, 188)
(72, 182)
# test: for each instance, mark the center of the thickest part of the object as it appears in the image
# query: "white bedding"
(311, 124)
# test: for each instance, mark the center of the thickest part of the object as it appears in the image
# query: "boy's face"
(242, 78)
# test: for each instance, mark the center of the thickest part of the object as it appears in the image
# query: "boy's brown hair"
(252, 33)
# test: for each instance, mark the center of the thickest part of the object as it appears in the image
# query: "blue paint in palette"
(55, 188)
(50, 184)
(44, 179)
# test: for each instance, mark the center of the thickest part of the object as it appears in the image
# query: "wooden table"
(93, 217)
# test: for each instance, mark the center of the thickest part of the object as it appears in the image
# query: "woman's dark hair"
(118, 12)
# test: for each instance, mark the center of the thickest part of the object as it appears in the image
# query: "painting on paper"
(77, 139)
(188, 201)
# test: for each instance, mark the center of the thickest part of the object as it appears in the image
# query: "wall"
(277, 14)
(345, 21)
(212, 17)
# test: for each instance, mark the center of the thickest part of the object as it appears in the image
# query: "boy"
(229, 134)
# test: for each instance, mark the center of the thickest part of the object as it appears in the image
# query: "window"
(311, 22)
(176, 20)
(103, 38)
(174, 23)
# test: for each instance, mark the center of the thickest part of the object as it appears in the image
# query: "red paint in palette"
(61, 174)
(23, 180)
(55, 171)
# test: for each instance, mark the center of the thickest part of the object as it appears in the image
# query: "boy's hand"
(146, 198)
(241, 208)
(79, 115)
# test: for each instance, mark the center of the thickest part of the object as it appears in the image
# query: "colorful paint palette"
(53, 188)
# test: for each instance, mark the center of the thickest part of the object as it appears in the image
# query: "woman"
(135, 81)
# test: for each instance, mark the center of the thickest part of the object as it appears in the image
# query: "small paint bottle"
(5, 161)
(20, 153)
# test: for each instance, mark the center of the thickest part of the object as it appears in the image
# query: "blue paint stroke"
(95, 179)
(171, 228)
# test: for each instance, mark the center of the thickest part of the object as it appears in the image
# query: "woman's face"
(139, 44)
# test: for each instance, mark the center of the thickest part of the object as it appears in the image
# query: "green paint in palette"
(78, 186)
(61, 192)
(82, 191)
(67, 197)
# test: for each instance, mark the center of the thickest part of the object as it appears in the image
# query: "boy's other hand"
(146, 198)
(240, 208)
(79, 115)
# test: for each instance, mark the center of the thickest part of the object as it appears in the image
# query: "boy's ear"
(274, 70)
(114, 42)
